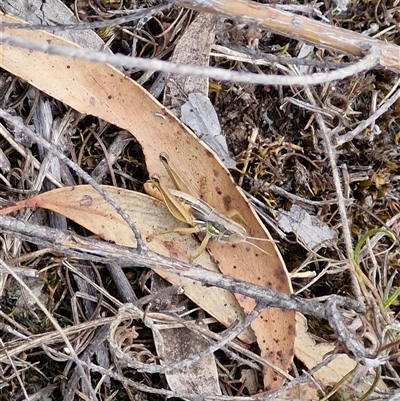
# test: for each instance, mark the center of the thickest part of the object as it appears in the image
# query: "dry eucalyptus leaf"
(39, 12)
(309, 229)
(199, 378)
(199, 114)
(103, 91)
(176, 343)
(311, 354)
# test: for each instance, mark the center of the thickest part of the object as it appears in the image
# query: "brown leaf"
(311, 354)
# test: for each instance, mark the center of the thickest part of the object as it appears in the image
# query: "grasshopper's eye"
(213, 230)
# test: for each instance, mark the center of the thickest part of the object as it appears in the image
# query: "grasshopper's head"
(235, 232)
(239, 235)
(231, 233)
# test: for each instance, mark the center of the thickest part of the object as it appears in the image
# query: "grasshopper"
(201, 216)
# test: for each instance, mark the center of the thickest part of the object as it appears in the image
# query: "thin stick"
(105, 252)
(302, 28)
(368, 62)
(341, 140)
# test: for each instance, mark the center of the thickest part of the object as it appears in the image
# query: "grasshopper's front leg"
(178, 230)
(185, 231)
(201, 249)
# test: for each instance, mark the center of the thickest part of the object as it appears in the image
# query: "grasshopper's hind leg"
(179, 230)
(234, 212)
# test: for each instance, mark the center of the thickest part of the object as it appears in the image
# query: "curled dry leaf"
(103, 91)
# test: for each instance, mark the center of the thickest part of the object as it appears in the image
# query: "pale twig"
(247, 154)
(20, 149)
(98, 288)
(258, 58)
(313, 108)
(305, 377)
(247, 55)
(344, 333)
(311, 31)
(99, 337)
(101, 251)
(341, 201)
(16, 372)
(104, 252)
(204, 397)
(293, 197)
(169, 393)
(36, 341)
(368, 62)
(341, 140)
(131, 312)
(253, 360)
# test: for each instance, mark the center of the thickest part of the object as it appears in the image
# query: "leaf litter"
(287, 154)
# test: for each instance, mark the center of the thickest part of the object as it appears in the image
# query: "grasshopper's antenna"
(259, 239)
(263, 239)
(255, 246)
